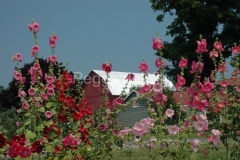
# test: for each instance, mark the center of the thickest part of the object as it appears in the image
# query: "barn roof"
(117, 81)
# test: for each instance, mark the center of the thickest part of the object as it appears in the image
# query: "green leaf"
(87, 125)
(49, 104)
(30, 135)
(193, 156)
(49, 149)
(53, 112)
(27, 122)
(40, 128)
(47, 123)
(41, 109)
(28, 114)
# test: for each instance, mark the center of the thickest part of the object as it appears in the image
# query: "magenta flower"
(169, 113)
(31, 92)
(159, 63)
(202, 46)
(35, 49)
(107, 67)
(143, 67)
(146, 88)
(25, 105)
(213, 54)
(48, 114)
(236, 49)
(36, 66)
(183, 63)
(52, 42)
(157, 44)
(50, 92)
(200, 125)
(35, 26)
(207, 87)
(130, 77)
(50, 86)
(118, 101)
(102, 127)
(181, 80)
(17, 75)
(218, 46)
(21, 93)
(52, 59)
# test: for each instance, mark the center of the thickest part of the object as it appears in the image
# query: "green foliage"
(8, 119)
(194, 18)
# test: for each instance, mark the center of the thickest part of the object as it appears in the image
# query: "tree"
(195, 17)
(9, 96)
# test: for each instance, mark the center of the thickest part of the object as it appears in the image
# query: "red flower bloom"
(2, 140)
(37, 146)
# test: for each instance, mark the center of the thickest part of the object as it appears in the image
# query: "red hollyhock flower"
(37, 146)
(24, 152)
(3, 140)
(19, 139)
(62, 117)
(57, 149)
(107, 67)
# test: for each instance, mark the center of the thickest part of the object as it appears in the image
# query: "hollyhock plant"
(183, 63)
(130, 77)
(157, 44)
(169, 113)
(107, 67)
(157, 88)
(143, 67)
(173, 129)
(202, 46)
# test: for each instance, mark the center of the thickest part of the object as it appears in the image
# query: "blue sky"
(89, 32)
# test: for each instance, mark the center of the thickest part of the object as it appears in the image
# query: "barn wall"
(93, 87)
(132, 115)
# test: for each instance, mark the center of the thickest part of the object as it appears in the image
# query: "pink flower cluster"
(17, 57)
(160, 63)
(130, 77)
(143, 67)
(125, 132)
(71, 141)
(202, 46)
(180, 82)
(196, 67)
(183, 63)
(157, 44)
(215, 138)
(195, 145)
(201, 123)
(143, 127)
(34, 27)
(50, 84)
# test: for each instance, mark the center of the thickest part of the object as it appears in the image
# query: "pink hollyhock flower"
(48, 114)
(30, 27)
(31, 92)
(35, 26)
(21, 93)
(203, 117)
(17, 75)
(49, 79)
(212, 77)
(25, 105)
(222, 67)
(146, 88)
(69, 140)
(52, 59)
(23, 80)
(215, 132)
(102, 127)
(130, 77)
(54, 37)
(157, 88)
(220, 104)
(157, 44)
(238, 88)
(207, 87)
(148, 121)
(200, 125)
(107, 67)
(118, 101)
(32, 54)
(224, 84)
(18, 123)
(213, 140)
(17, 56)
(35, 49)
(236, 49)
(50, 86)
(173, 129)
(183, 63)
(36, 66)
(195, 66)
(44, 96)
(52, 42)
(143, 67)
(50, 92)
(218, 46)
(199, 104)
(186, 123)
(213, 54)
(159, 63)
(202, 46)
(195, 145)
(181, 80)
(169, 113)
